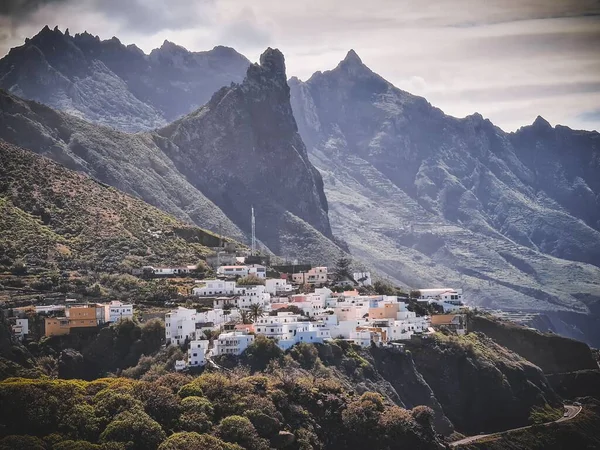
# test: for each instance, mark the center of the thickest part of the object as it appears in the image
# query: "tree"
(255, 312)
(342, 269)
(195, 441)
(383, 288)
(153, 333)
(245, 316)
(415, 294)
(239, 430)
(250, 280)
(261, 352)
(137, 428)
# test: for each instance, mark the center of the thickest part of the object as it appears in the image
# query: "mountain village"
(291, 304)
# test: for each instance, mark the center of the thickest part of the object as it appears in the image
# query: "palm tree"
(245, 316)
(255, 311)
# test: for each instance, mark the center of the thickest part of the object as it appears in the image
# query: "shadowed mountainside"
(434, 200)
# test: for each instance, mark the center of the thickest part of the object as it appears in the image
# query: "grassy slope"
(552, 353)
(53, 217)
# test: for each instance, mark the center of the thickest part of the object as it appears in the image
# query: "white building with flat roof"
(180, 324)
(213, 288)
(448, 298)
(116, 311)
(233, 271)
(277, 286)
(20, 328)
(362, 278)
(290, 329)
(232, 343)
(197, 353)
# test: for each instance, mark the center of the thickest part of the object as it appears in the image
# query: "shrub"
(239, 430)
(195, 441)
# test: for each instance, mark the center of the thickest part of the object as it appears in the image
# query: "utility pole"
(253, 233)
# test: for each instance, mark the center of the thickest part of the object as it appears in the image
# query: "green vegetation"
(61, 231)
(544, 414)
(250, 280)
(285, 404)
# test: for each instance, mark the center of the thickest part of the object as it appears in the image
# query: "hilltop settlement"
(248, 296)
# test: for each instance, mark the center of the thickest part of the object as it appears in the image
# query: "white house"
(449, 299)
(20, 328)
(43, 309)
(169, 271)
(197, 353)
(257, 270)
(244, 297)
(213, 288)
(290, 329)
(233, 271)
(180, 324)
(277, 286)
(232, 343)
(116, 311)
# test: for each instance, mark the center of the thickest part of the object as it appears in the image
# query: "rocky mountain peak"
(273, 62)
(541, 123)
(168, 46)
(352, 58)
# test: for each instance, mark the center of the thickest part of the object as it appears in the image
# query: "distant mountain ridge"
(434, 200)
(112, 84)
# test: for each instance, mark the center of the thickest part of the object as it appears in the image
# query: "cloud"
(591, 116)
(19, 10)
(510, 60)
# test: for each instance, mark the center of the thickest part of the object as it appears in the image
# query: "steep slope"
(209, 168)
(243, 148)
(130, 162)
(470, 373)
(112, 84)
(434, 200)
(52, 216)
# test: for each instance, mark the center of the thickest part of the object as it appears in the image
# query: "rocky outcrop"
(112, 84)
(469, 374)
(432, 200)
(550, 352)
(243, 149)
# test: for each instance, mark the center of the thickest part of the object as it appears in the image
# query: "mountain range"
(343, 161)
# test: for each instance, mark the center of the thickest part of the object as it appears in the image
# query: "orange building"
(77, 316)
(385, 311)
(56, 326)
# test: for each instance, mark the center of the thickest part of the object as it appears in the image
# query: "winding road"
(570, 412)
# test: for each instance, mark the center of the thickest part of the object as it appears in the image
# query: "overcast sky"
(510, 60)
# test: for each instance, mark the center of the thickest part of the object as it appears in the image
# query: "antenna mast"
(253, 233)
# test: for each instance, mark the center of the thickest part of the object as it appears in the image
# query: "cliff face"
(386, 371)
(550, 352)
(112, 84)
(243, 149)
(434, 200)
(470, 374)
